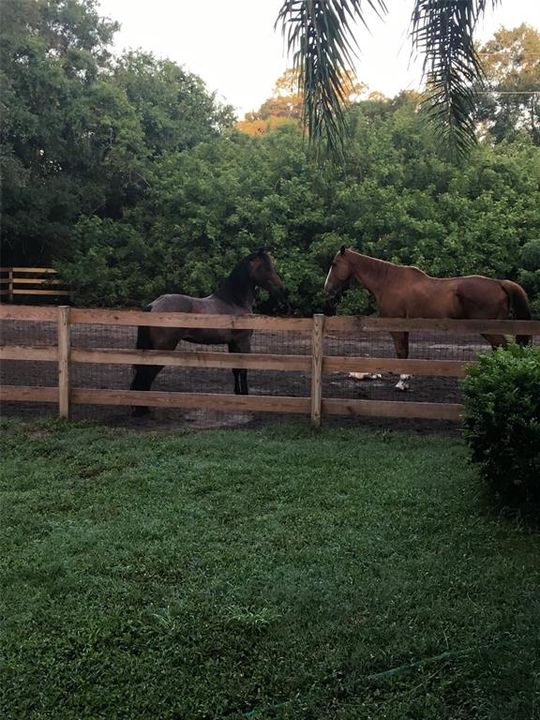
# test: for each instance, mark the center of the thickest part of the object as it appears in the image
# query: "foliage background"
(502, 421)
(129, 177)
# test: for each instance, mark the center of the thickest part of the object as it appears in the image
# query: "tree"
(175, 109)
(254, 126)
(80, 133)
(510, 104)
(52, 58)
(394, 197)
(286, 99)
(320, 34)
(285, 104)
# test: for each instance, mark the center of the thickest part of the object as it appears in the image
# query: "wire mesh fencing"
(346, 385)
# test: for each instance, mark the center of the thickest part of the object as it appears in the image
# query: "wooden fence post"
(64, 351)
(10, 285)
(317, 351)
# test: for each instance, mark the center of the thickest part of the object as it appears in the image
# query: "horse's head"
(339, 274)
(263, 274)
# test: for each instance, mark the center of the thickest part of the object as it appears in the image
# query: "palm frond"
(443, 31)
(319, 35)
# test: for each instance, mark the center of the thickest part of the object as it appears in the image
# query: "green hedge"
(502, 421)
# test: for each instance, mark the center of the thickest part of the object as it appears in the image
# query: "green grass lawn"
(280, 573)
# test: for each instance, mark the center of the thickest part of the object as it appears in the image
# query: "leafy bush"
(110, 264)
(529, 275)
(502, 420)
(205, 207)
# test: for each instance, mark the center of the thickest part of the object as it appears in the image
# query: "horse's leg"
(244, 390)
(142, 380)
(150, 339)
(240, 376)
(496, 340)
(236, 373)
(241, 344)
(401, 344)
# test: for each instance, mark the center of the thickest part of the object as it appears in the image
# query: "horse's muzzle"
(281, 294)
(330, 305)
(329, 309)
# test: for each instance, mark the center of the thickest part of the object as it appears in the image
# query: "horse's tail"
(519, 303)
(144, 341)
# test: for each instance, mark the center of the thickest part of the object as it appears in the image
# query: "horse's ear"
(342, 250)
(261, 252)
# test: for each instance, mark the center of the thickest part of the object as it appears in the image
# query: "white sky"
(233, 47)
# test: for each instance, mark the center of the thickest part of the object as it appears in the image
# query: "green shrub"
(530, 255)
(502, 421)
(529, 274)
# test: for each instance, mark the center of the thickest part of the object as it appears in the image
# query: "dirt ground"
(422, 389)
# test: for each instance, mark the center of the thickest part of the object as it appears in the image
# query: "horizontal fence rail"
(446, 325)
(342, 323)
(16, 281)
(316, 364)
(189, 320)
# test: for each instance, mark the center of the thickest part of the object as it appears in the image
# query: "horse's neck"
(249, 298)
(237, 291)
(370, 271)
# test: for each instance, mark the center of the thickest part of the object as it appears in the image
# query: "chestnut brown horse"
(235, 296)
(404, 291)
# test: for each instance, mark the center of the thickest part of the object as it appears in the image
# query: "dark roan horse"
(235, 296)
(404, 291)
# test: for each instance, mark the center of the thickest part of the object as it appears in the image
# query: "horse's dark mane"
(238, 287)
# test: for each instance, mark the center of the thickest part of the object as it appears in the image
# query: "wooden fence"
(316, 363)
(30, 281)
